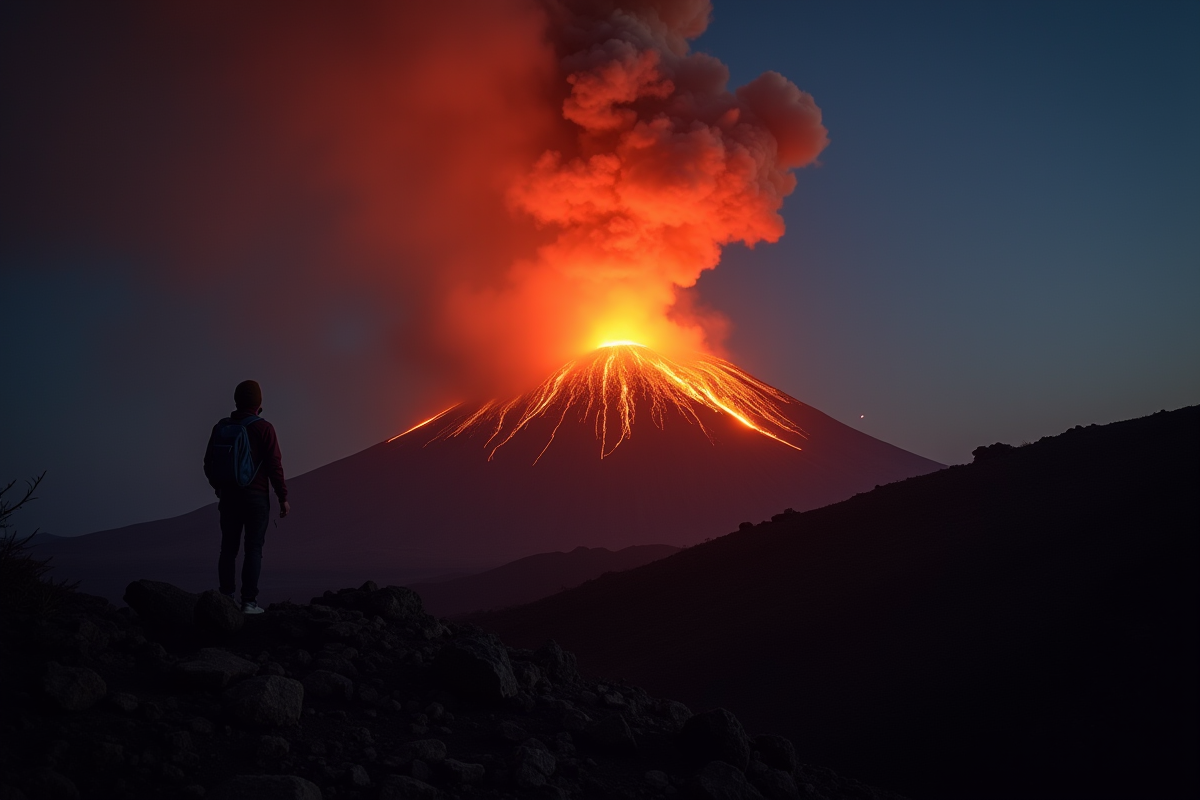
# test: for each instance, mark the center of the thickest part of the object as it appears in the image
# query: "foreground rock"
(165, 608)
(73, 688)
(401, 787)
(721, 781)
(217, 615)
(717, 736)
(357, 696)
(478, 667)
(268, 787)
(213, 668)
(266, 701)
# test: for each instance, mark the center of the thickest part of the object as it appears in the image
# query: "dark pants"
(242, 509)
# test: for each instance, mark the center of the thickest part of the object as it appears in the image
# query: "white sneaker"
(251, 607)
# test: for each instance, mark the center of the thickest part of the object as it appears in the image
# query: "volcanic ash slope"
(1021, 626)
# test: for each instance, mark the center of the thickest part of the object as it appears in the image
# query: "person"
(246, 508)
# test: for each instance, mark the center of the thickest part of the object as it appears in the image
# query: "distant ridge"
(532, 578)
(1024, 626)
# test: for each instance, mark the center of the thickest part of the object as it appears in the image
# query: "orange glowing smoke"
(661, 166)
(504, 184)
(605, 388)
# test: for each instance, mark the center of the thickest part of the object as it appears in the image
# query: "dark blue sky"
(1004, 237)
(1002, 241)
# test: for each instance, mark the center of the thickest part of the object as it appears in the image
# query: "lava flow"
(606, 387)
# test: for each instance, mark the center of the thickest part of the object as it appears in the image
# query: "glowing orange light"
(606, 386)
(434, 418)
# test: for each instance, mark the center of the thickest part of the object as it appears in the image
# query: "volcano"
(621, 447)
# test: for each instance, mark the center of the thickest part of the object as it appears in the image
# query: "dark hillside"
(532, 578)
(1022, 626)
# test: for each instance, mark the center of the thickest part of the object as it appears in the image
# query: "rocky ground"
(359, 694)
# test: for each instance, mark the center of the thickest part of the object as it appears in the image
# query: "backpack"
(229, 452)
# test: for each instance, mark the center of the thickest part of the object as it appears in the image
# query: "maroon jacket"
(264, 450)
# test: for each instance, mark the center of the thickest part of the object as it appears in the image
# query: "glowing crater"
(606, 387)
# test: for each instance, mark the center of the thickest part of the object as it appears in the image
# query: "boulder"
(526, 776)
(532, 766)
(476, 667)
(528, 675)
(273, 748)
(336, 663)
(510, 731)
(73, 688)
(267, 787)
(716, 736)
(675, 713)
(456, 772)
(775, 784)
(721, 781)
(47, 784)
(402, 787)
(217, 615)
(538, 757)
(657, 779)
(105, 755)
(213, 668)
(612, 734)
(358, 777)
(559, 665)
(777, 752)
(575, 721)
(124, 702)
(395, 603)
(328, 685)
(266, 701)
(423, 750)
(344, 632)
(163, 607)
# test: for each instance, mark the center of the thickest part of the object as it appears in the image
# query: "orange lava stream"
(422, 424)
(607, 385)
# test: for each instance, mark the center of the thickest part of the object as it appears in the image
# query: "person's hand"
(284, 508)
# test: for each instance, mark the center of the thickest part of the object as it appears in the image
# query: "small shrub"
(24, 586)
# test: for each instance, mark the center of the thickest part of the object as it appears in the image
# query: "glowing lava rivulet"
(606, 387)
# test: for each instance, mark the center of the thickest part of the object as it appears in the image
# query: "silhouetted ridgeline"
(1024, 626)
(359, 696)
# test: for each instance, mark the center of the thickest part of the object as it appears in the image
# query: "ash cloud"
(501, 179)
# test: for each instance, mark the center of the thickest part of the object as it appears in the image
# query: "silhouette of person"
(245, 505)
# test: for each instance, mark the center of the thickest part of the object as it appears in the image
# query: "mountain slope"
(531, 578)
(1028, 621)
(424, 505)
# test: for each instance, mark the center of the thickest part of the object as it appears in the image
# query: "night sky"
(1001, 241)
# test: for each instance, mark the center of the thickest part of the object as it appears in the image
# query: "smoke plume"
(506, 183)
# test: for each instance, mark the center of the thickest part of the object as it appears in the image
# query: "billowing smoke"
(505, 183)
(663, 167)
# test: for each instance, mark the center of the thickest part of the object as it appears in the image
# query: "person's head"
(248, 397)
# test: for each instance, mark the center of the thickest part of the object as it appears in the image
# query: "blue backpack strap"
(246, 422)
